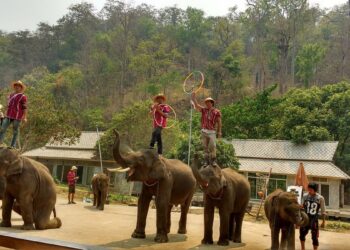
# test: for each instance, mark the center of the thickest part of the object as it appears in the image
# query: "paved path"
(112, 228)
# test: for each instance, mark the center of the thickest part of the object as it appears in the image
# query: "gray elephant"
(283, 212)
(169, 180)
(100, 184)
(227, 190)
(30, 184)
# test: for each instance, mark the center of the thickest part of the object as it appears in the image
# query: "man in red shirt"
(211, 127)
(16, 112)
(71, 179)
(160, 112)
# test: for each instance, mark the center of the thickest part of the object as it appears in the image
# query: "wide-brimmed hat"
(73, 168)
(13, 84)
(159, 96)
(209, 99)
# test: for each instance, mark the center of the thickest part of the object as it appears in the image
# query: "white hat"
(74, 168)
(1, 106)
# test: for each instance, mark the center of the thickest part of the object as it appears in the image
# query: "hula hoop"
(192, 89)
(160, 125)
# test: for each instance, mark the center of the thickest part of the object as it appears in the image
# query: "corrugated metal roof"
(87, 140)
(289, 167)
(278, 149)
(83, 149)
(72, 154)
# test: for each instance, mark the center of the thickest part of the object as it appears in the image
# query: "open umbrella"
(301, 178)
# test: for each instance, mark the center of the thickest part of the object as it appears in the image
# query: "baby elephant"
(227, 190)
(100, 188)
(31, 188)
(283, 212)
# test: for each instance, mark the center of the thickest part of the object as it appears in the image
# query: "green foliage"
(251, 117)
(307, 60)
(225, 151)
(135, 125)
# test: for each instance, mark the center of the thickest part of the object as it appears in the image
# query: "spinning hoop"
(173, 118)
(193, 82)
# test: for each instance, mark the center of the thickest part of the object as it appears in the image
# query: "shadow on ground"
(149, 241)
(210, 247)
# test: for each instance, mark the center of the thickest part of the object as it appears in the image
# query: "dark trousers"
(157, 138)
(313, 226)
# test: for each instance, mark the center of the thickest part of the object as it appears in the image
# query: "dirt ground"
(111, 229)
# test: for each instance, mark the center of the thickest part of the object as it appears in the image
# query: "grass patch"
(337, 226)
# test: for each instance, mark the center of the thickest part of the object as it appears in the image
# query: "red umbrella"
(301, 178)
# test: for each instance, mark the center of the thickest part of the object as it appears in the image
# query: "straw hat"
(209, 99)
(13, 84)
(73, 168)
(159, 96)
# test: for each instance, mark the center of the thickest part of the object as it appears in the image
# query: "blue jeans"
(5, 124)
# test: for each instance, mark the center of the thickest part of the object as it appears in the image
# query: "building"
(60, 157)
(256, 157)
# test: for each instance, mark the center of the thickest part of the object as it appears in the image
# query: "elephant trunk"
(116, 151)
(194, 166)
(304, 219)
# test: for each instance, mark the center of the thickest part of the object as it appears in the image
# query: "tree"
(307, 60)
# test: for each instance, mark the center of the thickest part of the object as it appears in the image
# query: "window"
(257, 183)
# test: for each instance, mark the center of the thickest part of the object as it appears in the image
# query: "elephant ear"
(15, 167)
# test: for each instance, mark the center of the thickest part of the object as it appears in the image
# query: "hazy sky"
(26, 14)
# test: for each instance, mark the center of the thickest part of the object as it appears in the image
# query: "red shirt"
(17, 103)
(210, 118)
(71, 178)
(158, 119)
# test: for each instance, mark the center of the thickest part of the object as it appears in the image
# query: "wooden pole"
(264, 195)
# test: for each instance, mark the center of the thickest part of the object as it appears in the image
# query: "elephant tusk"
(119, 170)
(114, 169)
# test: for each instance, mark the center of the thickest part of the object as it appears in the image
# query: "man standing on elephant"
(72, 179)
(16, 112)
(160, 112)
(312, 203)
(211, 127)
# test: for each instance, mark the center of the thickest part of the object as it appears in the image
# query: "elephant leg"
(7, 204)
(183, 219)
(142, 211)
(283, 244)
(275, 233)
(291, 238)
(224, 227)
(26, 205)
(43, 220)
(98, 199)
(208, 224)
(231, 225)
(103, 200)
(95, 199)
(238, 218)
(168, 225)
(162, 204)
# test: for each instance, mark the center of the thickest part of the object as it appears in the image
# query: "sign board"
(298, 191)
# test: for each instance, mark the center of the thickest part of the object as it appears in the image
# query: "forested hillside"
(92, 64)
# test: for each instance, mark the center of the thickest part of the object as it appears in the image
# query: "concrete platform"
(111, 229)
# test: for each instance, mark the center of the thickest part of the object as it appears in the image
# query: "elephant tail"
(54, 212)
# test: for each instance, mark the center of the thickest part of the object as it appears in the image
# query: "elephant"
(283, 212)
(100, 184)
(227, 190)
(30, 185)
(169, 180)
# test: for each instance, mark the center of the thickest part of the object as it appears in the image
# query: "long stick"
(264, 196)
(99, 148)
(190, 136)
